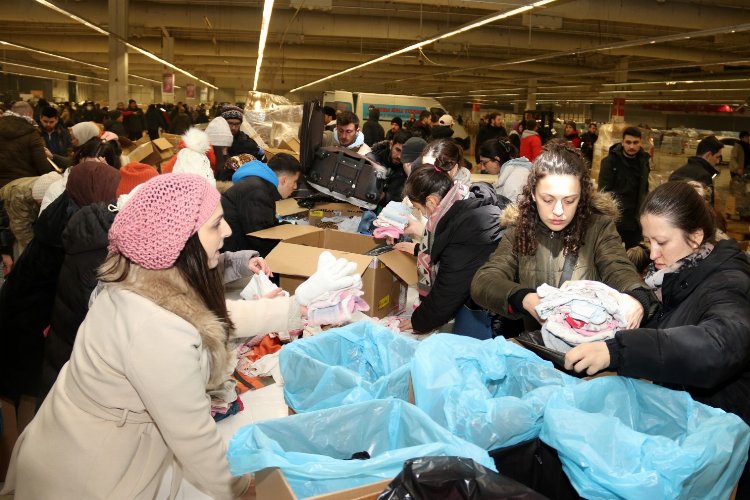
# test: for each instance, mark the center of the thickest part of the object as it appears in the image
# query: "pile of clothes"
(392, 220)
(577, 312)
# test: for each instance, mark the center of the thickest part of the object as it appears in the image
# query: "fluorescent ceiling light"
(70, 59)
(267, 9)
(45, 77)
(458, 31)
(611, 46)
(119, 38)
(8, 63)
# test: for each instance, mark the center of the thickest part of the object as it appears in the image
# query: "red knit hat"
(132, 175)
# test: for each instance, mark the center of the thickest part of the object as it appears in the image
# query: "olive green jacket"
(601, 258)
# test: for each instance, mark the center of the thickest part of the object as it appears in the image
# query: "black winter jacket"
(250, 205)
(26, 301)
(696, 169)
(395, 178)
(629, 187)
(85, 242)
(463, 240)
(700, 339)
(373, 131)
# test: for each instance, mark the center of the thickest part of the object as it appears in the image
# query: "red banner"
(167, 83)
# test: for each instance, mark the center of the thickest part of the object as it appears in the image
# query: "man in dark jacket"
(134, 121)
(250, 204)
(21, 155)
(21, 146)
(388, 154)
(624, 173)
(114, 123)
(56, 137)
(493, 129)
(372, 128)
(702, 166)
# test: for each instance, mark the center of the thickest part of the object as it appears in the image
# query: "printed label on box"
(384, 302)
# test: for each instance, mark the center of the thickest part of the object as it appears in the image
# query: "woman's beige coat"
(133, 398)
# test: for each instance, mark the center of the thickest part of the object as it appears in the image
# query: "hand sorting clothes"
(392, 220)
(578, 312)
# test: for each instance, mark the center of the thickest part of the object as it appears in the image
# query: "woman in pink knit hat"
(133, 398)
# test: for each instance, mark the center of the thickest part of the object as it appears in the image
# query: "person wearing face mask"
(463, 229)
(700, 339)
(561, 225)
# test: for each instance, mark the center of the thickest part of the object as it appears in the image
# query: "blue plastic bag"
(358, 362)
(490, 392)
(312, 448)
(623, 438)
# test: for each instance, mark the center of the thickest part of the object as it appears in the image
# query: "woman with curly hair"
(561, 227)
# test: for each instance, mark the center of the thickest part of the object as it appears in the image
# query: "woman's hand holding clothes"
(631, 310)
(259, 265)
(530, 301)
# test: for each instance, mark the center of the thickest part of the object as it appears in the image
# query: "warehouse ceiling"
(570, 51)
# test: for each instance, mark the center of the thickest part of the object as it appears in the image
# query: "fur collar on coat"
(603, 203)
(167, 289)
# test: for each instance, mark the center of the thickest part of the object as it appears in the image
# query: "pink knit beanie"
(153, 227)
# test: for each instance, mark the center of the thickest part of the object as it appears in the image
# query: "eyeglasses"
(505, 144)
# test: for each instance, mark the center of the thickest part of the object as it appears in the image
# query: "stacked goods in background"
(273, 122)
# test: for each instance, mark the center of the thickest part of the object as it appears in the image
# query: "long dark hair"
(192, 264)
(97, 147)
(685, 209)
(556, 159)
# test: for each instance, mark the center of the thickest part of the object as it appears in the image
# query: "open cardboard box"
(385, 278)
(322, 210)
(270, 484)
(288, 207)
(152, 152)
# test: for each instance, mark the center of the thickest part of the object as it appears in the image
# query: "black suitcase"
(310, 133)
(347, 176)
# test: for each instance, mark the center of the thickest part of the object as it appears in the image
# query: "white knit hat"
(84, 131)
(219, 133)
(192, 158)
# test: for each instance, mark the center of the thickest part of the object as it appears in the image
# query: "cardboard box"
(322, 210)
(271, 152)
(152, 152)
(289, 207)
(289, 142)
(385, 278)
(270, 484)
(173, 139)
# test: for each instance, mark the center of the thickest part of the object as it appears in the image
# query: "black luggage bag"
(347, 176)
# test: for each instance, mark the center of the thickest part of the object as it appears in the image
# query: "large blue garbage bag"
(313, 448)
(623, 438)
(357, 362)
(490, 392)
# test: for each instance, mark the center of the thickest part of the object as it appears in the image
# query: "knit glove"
(332, 275)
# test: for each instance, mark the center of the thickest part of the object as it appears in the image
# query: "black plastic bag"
(453, 478)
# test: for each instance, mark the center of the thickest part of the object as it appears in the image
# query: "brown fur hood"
(167, 289)
(602, 203)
